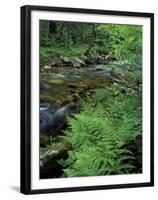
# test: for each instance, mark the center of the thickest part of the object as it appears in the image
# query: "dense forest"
(90, 99)
(74, 39)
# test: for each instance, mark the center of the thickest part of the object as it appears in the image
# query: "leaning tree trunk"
(92, 39)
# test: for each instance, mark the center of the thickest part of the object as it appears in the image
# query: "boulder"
(83, 57)
(47, 68)
(57, 62)
(65, 60)
(76, 62)
(54, 151)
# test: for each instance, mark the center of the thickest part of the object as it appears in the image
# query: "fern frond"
(99, 135)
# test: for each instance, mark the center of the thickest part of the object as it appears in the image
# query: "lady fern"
(99, 135)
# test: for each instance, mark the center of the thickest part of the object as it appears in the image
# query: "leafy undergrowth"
(46, 53)
(106, 135)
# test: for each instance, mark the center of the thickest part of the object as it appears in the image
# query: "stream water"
(64, 86)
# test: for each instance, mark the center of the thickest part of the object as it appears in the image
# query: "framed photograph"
(87, 99)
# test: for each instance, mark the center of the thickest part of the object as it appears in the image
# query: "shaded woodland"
(75, 39)
(90, 99)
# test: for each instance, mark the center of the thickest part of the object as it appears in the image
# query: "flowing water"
(66, 84)
(59, 88)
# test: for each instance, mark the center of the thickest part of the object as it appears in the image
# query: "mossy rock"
(44, 97)
(57, 148)
(56, 81)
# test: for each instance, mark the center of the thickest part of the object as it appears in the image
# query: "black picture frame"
(26, 98)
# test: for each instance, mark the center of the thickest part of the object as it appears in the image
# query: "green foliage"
(99, 135)
(46, 53)
(99, 95)
(124, 41)
(73, 38)
(102, 136)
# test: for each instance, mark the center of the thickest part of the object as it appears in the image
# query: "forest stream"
(90, 99)
(65, 84)
(61, 89)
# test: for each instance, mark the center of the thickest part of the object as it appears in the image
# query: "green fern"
(99, 135)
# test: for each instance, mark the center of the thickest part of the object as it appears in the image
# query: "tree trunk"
(92, 39)
(68, 36)
(47, 27)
